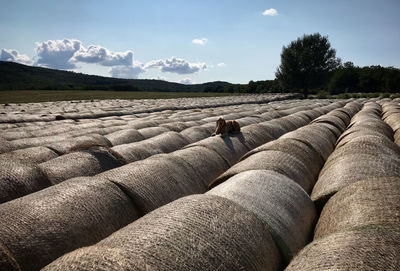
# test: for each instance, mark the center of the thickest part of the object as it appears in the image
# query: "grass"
(34, 96)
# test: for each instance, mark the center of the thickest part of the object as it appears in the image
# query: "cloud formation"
(176, 65)
(14, 56)
(100, 55)
(186, 81)
(270, 12)
(201, 41)
(221, 65)
(127, 72)
(57, 53)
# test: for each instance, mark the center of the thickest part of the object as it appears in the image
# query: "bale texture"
(231, 148)
(33, 155)
(196, 133)
(199, 232)
(124, 136)
(255, 135)
(82, 163)
(79, 143)
(362, 249)
(156, 181)
(205, 162)
(152, 131)
(40, 227)
(18, 179)
(350, 169)
(281, 204)
(281, 162)
(373, 202)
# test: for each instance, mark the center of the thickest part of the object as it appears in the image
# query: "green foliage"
(16, 76)
(306, 63)
(351, 79)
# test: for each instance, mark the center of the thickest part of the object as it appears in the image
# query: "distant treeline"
(346, 79)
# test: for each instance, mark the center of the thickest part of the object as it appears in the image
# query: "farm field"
(121, 184)
(36, 96)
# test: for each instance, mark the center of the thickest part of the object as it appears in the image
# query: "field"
(36, 96)
(119, 184)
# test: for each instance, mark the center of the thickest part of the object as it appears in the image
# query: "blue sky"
(192, 41)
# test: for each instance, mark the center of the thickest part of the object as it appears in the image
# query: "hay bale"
(82, 163)
(124, 136)
(332, 120)
(281, 162)
(361, 249)
(350, 169)
(38, 141)
(231, 147)
(199, 232)
(18, 179)
(301, 150)
(33, 155)
(79, 143)
(372, 202)
(321, 138)
(155, 181)
(255, 135)
(152, 131)
(353, 134)
(137, 151)
(205, 162)
(175, 126)
(196, 133)
(169, 141)
(6, 146)
(40, 227)
(281, 204)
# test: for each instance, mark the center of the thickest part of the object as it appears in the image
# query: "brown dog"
(226, 127)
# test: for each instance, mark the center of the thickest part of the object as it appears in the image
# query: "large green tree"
(307, 63)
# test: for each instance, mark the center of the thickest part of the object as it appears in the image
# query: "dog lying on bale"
(226, 127)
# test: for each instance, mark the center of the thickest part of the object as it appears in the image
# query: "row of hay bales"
(93, 160)
(358, 191)
(391, 115)
(255, 220)
(53, 134)
(16, 113)
(38, 228)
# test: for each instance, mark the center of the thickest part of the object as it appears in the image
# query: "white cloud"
(186, 81)
(176, 65)
(127, 72)
(100, 55)
(270, 12)
(221, 65)
(57, 53)
(201, 41)
(14, 56)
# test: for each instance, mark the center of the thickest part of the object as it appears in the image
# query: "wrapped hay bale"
(275, 129)
(83, 163)
(231, 147)
(38, 141)
(332, 120)
(175, 126)
(353, 134)
(79, 143)
(124, 136)
(18, 179)
(200, 232)
(150, 132)
(40, 227)
(196, 133)
(350, 169)
(280, 203)
(281, 162)
(6, 146)
(205, 162)
(169, 141)
(137, 151)
(156, 181)
(297, 148)
(361, 249)
(372, 202)
(255, 135)
(374, 125)
(33, 155)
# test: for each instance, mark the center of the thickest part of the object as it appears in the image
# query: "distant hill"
(15, 76)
